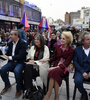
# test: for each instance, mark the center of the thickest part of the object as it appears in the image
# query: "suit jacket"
(20, 51)
(81, 60)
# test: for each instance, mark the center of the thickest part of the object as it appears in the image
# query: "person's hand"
(30, 62)
(50, 39)
(44, 60)
(85, 75)
(51, 68)
(5, 56)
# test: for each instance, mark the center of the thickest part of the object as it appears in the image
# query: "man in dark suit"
(16, 56)
(82, 64)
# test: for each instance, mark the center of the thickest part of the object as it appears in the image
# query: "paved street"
(10, 95)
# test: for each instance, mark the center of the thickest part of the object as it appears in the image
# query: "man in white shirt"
(82, 64)
(16, 56)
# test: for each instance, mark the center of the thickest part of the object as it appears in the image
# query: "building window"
(36, 16)
(1, 9)
(11, 10)
(30, 14)
(6, 8)
(19, 12)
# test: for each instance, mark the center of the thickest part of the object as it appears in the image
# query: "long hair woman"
(36, 54)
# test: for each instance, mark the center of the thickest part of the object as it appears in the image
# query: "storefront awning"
(7, 18)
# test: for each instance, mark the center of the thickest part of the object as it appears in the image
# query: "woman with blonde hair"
(62, 57)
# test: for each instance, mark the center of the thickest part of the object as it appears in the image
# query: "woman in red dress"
(62, 58)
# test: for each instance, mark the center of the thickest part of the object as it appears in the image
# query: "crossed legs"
(55, 85)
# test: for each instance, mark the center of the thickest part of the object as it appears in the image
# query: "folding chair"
(75, 88)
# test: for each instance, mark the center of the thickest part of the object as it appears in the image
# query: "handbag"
(37, 93)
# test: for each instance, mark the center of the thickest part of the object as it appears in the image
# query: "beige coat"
(43, 66)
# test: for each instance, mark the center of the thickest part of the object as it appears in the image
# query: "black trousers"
(29, 74)
(1, 52)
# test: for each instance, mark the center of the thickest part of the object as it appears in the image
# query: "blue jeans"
(17, 69)
(78, 79)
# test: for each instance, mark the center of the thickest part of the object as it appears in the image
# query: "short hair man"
(16, 56)
(82, 64)
(22, 33)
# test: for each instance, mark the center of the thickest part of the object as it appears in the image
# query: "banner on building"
(85, 25)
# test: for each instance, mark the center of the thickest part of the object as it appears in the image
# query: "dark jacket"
(22, 35)
(81, 60)
(20, 51)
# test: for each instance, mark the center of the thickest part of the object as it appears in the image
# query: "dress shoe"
(84, 98)
(18, 94)
(5, 90)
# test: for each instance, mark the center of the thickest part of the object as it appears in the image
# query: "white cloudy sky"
(57, 8)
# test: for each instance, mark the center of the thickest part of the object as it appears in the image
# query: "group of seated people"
(4, 39)
(39, 55)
